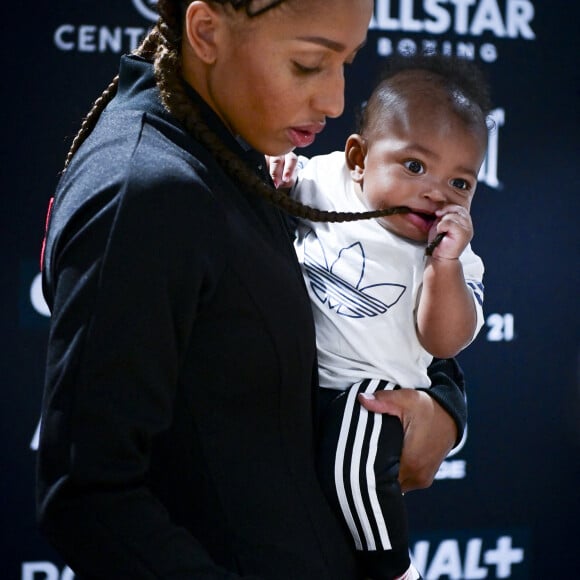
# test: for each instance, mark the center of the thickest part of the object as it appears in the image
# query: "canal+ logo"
(147, 8)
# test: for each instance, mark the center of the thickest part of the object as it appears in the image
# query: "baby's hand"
(283, 170)
(455, 222)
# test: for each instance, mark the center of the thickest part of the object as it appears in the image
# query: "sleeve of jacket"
(448, 389)
(128, 278)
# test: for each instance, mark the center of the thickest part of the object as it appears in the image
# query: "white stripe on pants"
(355, 419)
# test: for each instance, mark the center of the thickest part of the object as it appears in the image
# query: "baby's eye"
(460, 184)
(414, 166)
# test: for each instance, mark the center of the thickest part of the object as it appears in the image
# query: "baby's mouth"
(427, 217)
(423, 220)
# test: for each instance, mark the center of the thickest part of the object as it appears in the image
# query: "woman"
(177, 432)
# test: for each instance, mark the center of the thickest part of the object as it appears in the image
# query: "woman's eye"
(303, 69)
(414, 166)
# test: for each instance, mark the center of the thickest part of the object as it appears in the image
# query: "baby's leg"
(359, 468)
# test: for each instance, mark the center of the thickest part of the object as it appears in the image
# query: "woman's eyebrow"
(328, 43)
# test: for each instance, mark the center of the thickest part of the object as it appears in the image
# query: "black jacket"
(177, 431)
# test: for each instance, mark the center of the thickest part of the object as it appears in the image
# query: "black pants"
(359, 467)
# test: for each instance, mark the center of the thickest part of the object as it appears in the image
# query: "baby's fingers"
(283, 169)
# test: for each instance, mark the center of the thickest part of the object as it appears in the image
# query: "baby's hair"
(464, 84)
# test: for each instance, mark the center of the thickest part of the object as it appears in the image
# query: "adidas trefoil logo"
(341, 286)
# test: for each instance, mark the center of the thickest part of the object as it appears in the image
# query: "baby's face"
(423, 162)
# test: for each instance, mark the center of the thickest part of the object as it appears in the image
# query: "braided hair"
(162, 46)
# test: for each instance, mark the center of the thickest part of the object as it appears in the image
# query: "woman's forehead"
(336, 25)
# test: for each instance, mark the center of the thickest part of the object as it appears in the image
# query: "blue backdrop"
(506, 503)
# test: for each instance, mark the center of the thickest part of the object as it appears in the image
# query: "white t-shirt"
(363, 283)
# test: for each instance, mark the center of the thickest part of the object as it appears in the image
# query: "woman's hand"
(430, 433)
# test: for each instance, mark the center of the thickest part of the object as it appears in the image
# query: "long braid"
(146, 49)
(174, 98)
(162, 45)
(91, 119)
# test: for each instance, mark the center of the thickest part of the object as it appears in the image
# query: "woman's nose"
(329, 100)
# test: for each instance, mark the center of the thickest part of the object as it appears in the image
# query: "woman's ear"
(355, 152)
(202, 22)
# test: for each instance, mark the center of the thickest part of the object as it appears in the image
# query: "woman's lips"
(305, 134)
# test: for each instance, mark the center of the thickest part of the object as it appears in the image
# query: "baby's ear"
(355, 153)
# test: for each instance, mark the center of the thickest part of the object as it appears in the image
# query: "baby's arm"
(446, 312)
